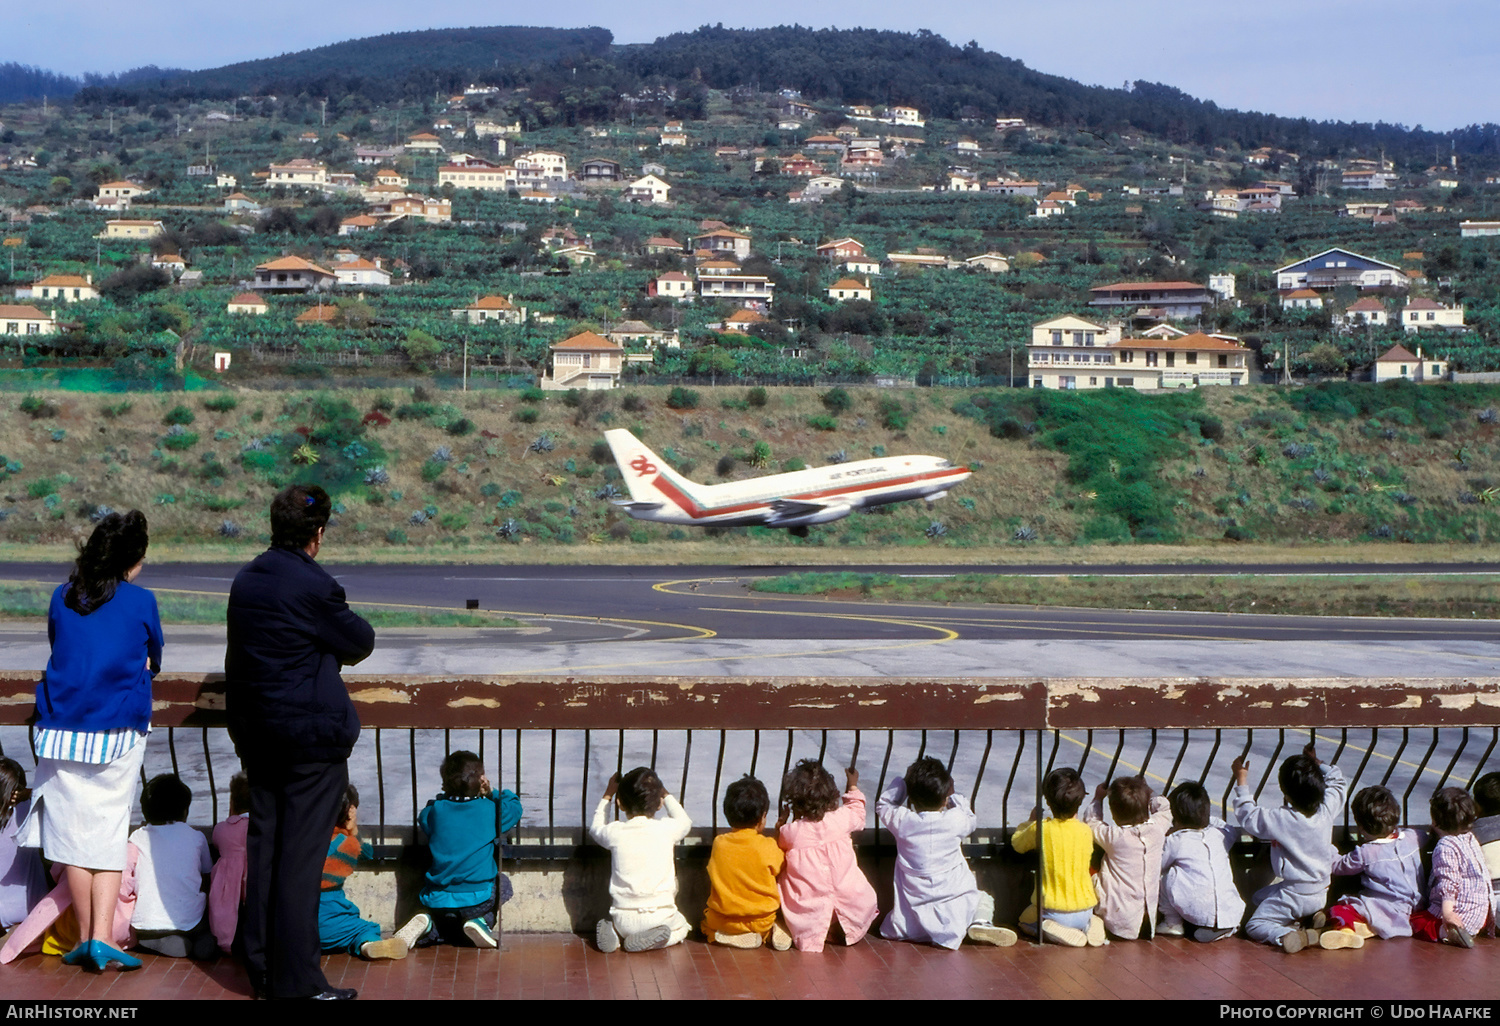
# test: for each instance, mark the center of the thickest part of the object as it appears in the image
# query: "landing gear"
(797, 532)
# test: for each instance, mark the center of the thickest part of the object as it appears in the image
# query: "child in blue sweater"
(458, 899)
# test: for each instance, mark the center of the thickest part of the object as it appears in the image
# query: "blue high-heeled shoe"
(101, 955)
(78, 956)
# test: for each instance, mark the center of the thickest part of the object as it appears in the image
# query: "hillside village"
(943, 282)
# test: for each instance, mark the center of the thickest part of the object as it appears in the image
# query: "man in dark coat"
(293, 724)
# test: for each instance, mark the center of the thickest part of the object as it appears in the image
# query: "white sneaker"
(1065, 935)
(1096, 936)
(1166, 929)
(649, 940)
(415, 929)
(997, 936)
(393, 948)
(606, 937)
(747, 941)
(780, 939)
(478, 931)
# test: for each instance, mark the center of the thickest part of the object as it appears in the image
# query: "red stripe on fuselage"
(698, 512)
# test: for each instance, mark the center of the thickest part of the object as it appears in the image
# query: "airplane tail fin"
(647, 476)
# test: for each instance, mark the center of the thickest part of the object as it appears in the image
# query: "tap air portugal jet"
(793, 500)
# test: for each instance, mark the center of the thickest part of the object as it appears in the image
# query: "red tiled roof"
(587, 340)
(1147, 286)
(1196, 341)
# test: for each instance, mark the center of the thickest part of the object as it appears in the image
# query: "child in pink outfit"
(226, 885)
(821, 881)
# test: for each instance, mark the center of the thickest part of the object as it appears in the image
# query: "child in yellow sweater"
(1067, 916)
(743, 898)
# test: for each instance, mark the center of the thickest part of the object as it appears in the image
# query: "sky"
(1434, 64)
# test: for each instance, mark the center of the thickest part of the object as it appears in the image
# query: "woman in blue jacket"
(93, 712)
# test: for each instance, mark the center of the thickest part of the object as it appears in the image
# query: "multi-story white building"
(1421, 314)
(1072, 353)
(299, 172)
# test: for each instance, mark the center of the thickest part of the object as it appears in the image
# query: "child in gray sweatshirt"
(1302, 850)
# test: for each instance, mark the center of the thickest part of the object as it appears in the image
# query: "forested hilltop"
(580, 76)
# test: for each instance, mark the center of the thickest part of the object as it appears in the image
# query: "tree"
(421, 347)
(1325, 358)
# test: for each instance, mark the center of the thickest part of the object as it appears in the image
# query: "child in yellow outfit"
(743, 898)
(1067, 846)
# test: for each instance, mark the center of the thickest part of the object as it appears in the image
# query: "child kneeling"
(1067, 917)
(172, 860)
(458, 898)
(340, 926)
(743, 897)
(643, 913)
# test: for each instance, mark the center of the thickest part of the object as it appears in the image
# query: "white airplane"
(792, 500)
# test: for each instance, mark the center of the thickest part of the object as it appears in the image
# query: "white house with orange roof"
(26, 320)
(586, 361)
(1369, 311)
(248, 304)
(837, 250)
(648, 189)
(722, 240)
(1399, 363)
(1301, 299)
(1421, 314)
(301, 172)
(361, 273)
(67, 288)
(673, 285)
(292, 274)
(128, 229)
(122, 190)
(385, 176)
(358, 223)
(491, 310)
(1145, 364)
(846, 289)
(547, 165)
(490, 178)
(424, 142)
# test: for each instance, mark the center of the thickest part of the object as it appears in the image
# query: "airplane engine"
(822, 516)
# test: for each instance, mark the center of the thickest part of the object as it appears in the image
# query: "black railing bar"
(890, 743)
(718, 770)
(1176, 763)
(1421, 768)
(379, 783)
(619, 765)
(1051, 756)
(989, 739)
(1364, 762)
(687, 757)
(1483, 759)
(1010, 780)
(499, 743)
(1395, 759)
(921, 748)
(213, 793)
(786, 766)
(822, 744)
(411, 745)
(172, 749)
(755, 752)
(551, 789)
(1150, 750)
(1343, 741)
(1271, 763)
(1114, 760)
(953, 755)
(1041, 853)
(654, 733)
(583, 792)
(1213, 754)
(1088, 749)
(1463, 742)
(1224, 800)
(854, 755)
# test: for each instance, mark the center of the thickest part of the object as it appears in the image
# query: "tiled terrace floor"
(560, 966)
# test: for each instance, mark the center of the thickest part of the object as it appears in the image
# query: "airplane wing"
(637, 507)
(783, 508)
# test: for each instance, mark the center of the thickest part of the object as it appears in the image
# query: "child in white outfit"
(937, 899)
(1197, 884)
(643, 911)
(173, 862)
(1129, 879)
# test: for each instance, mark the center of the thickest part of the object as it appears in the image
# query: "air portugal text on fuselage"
(793, 500)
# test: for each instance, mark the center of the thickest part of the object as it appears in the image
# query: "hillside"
(474, 473)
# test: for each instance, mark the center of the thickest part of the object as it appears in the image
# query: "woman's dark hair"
(117, 544)
(746, 802)
(1191, 806)
(12, 788)
(1064, 792)
(928, 784)
(1376, 811)
(809, 791)
(462, 772)
(1453, 810)
(165, 799)
(349, 801)
(640, 792)
(297, 514)
(239, 794)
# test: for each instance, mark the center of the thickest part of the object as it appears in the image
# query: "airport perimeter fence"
(556, 741)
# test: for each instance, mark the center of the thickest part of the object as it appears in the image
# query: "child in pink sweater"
(822, 883)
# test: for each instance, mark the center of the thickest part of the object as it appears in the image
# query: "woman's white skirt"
(80, 812)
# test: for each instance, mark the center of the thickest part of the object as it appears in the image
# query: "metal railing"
(555, 741)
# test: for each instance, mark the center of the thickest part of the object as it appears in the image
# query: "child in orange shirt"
(743, 898)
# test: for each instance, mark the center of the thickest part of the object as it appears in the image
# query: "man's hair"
(640, 792)
(746, 802)
(1129, 800)
(298, 512)
(1302, 783)
(349, 801)
(1376, 811)
(462, 772)
(1453, 810)
(1191, 806)
(810, 791)
(1063, 790)
(928, 784)
(165, 799)
(1487, 794)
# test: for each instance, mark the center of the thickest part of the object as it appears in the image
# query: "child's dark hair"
(12, 787)
(239, 794)
(1302, 783)
(117, 544)
(1453, 810)
(462, 772)
(1191, 806)
(165, 799)
(1487, 794)
(810, 791)
(746, 803)
(1376, 811)
(640, 792)
(1063, 790)
(928, 784)
(1129, 800)
(349, 801)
